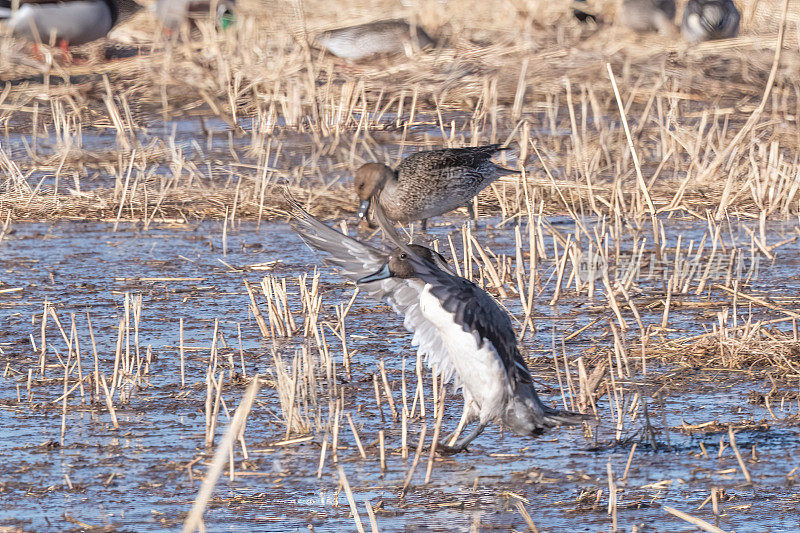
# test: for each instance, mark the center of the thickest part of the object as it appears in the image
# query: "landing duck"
(460, 329)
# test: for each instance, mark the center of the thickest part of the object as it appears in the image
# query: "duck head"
(399, 264)
(369, 181)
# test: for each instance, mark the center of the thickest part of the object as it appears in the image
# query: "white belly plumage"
(480, 370)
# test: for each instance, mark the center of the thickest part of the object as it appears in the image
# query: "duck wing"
(451, 163)
(449, 177)
(471, 156)
(356, 260)
(353, 258)
(478, 313)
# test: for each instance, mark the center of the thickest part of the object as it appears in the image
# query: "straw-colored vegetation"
(708, 130)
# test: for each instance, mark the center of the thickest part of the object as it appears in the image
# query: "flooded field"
(144, 474)
(153, 295)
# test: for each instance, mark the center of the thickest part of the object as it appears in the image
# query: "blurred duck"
(69, 22)
(174, 13)
(382, 37)
(707, 20)
(428, 183)
(463, 333)
(649, 15)
(582, 11)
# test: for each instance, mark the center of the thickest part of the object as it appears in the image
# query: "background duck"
(174, 13)
(649, 15)
(374, 38)
(707, 20)
(69, 22)
(428, 183)
(582, 11)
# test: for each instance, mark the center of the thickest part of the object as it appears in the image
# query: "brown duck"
(428, 183)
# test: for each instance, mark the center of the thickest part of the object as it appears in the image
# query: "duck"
(173, 13)
(707, 20)
(582, 12)
(649, 15)
(70, 22)
(462, 332)
(428, 183)
(382, 37)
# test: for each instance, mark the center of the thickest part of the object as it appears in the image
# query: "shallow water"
(136, 477)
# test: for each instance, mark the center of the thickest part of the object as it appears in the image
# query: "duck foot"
(442, 448)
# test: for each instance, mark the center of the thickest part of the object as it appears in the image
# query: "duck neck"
(389, 188)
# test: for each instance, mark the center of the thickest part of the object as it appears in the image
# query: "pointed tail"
(527, 415)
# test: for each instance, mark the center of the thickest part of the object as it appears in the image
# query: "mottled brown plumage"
(428, 183)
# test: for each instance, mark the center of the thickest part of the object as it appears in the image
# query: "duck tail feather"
(526, 414)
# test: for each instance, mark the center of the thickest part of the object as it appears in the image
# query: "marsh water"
(144, 475)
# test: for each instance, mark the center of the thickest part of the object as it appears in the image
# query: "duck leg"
(462, 444)
(467, 416)
(473, 214)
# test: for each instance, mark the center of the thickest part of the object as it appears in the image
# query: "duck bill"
(363, 208)
(383, 273)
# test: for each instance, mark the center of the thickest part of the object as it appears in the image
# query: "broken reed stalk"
(183, 373)
(356, 437)
(96, 378)
(414, 463)
(322, 453)
(212, 429)
(387, 389)
(382, 447)
(353, 507)
(377, 395)
(702, 524)
(64, 406)
(612, 496)
(436, 430)
(739, 458)
(335, 439)
(193, 520)
(109, 402)
(74, 335)
(372, 521)
(634, 156)
(630, 459)
(526, 516)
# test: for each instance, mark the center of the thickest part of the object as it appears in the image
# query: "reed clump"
(220, 120)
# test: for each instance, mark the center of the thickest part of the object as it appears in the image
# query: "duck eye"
(404, 256)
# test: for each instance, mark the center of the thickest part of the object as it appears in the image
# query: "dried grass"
(271, 112)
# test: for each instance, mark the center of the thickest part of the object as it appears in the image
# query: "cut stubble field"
(166, 339)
